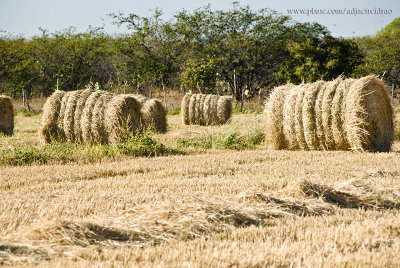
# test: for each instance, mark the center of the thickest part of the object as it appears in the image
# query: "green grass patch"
(230, 140)
(174, 110)
(136, 146)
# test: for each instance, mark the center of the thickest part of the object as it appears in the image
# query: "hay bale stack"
(6, 116)
(344, 114)
(122, 117)
(201, 109)
(98, 116)
(51, 110)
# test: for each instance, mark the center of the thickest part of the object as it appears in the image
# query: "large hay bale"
(6, 116)
(61, 115)
(192, 108)
(338, 112)
(80, 105)
(51, 110)
(318, 117)
(197, 109)
(154, 115)
(309, 115)
(207, 109)
(122, 117)
(224, 109)
(369, 115)
(87, 114)
(185, 108)
(201, 110)
(98, 128)
(289, 119)
(329, 94)
(274, 135)
(335, 115)
(301, 139)
(69, 115)
(214, 110)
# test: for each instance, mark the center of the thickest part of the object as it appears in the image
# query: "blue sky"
(24, 17)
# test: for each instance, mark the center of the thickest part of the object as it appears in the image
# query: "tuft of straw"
(6, 116)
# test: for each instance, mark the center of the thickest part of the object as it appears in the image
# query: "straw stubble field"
(207, 208)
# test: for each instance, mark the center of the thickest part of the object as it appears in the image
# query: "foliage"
(383, 53)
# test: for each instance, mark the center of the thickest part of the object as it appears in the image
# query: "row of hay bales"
(343, 114)
(89, 116)
(202, 109)
(6, 115)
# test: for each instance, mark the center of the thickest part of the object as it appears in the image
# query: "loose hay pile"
(98, 116)
(201, 109)
(343, 114)
(6, 115)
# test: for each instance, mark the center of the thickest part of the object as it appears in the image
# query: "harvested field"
(206, 207)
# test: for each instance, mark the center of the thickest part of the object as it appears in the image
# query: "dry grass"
(213, 208)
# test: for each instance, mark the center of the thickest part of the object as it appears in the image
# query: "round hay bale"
(98, 129)
(197, 109)
(185, 108)
(309, 115)
(224, 109)
(301, 139)
(6, 116)
(192, 108)
(87, 114)
(154, 114)
(207, 110)
(318, 117)
(329, 94)
(122, 117)
(274, 136)
(289, 119)
(80, 105)
(69, 116)
(338, 111)
(61, 115)
(140, 98)
(51, 109)
(201, 109)
(369, 115)
(213, 110)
